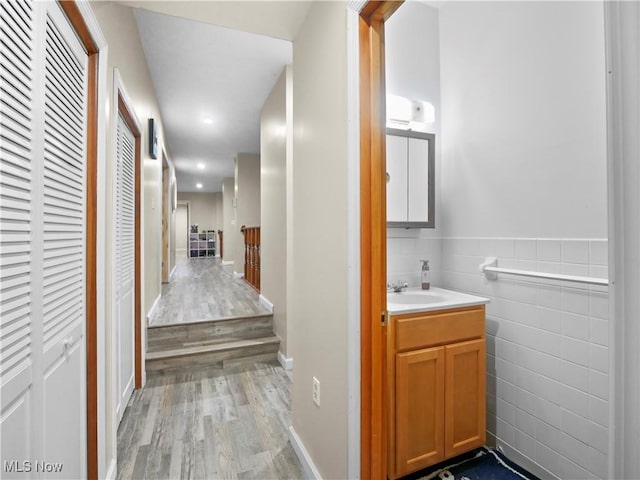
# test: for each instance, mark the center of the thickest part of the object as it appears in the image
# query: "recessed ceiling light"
(201, 166)
(198, 185)
(207, 120)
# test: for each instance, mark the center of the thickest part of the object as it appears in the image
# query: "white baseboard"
(172, 272)
(153, 308)
(285, 362)
(267, 304)
(112, 470)
(309, 468)
(227, 262)
(238, 275)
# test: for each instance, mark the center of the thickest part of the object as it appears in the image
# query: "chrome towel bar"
(491, 270)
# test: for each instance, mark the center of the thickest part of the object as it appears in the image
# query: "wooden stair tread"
(212, 321)
(214, 347)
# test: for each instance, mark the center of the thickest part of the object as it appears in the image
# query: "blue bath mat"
(481, 464)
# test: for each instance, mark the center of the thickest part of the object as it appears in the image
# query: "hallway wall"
(125, 53)
(203, 209)
(228, 220)
(182, 227)
(319, 308)
(247, 195)
(273, 203)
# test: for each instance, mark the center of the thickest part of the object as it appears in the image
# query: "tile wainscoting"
(547, 343)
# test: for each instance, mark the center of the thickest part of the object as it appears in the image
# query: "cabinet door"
(465, 423)
(419, 409)
(418, 180)
(397, 193)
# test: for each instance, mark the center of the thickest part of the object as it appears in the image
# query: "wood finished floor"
(210, 423)
(203, 289)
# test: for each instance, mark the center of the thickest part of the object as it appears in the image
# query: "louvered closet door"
(124, 269)
(64, 309)
(16, 224)
(43, 116)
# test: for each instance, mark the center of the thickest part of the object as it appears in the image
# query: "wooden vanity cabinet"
(436, 387)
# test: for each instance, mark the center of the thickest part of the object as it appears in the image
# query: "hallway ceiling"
(207, 73)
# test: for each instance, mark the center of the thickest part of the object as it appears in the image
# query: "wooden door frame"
(91, 39)
(166, 216)
(373, 240)
(125, 108)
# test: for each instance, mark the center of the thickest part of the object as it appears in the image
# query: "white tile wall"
(405, 249)
(547, 341)
(547, 348)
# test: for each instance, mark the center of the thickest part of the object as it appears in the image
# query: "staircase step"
(170, 337)
(213, 354)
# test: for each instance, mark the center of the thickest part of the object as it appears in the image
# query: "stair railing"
(252, 255)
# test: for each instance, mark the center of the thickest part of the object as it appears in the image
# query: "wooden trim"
(91, 250)
(71, 10)
(76, 20)
(137, 267)
(128, 117)
(373, 235)
(165, 219)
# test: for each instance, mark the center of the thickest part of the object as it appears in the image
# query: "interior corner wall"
(228, 220)
(273, 201)
(318, 317)
(125, 53)
(247, 197)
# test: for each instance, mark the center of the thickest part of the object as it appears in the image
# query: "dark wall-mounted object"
(153, 139)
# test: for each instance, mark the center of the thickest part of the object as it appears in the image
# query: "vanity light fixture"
(198, 185)
(406, 114)
(200, 166)
(207, 120)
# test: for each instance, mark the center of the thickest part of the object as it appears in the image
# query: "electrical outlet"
(316, 391)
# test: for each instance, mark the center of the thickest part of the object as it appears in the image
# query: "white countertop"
(414, 300)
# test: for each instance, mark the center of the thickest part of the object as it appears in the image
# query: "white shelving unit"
(203, 244)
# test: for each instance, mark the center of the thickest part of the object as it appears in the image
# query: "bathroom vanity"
(436, 377)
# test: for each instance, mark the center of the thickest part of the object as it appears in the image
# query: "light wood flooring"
(203, 289)
(210, 423)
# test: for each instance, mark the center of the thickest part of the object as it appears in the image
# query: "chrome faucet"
(397, 287)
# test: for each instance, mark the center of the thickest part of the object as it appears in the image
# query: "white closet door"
(16, 266)
(125, 258)
(42, 248)
(64, 207)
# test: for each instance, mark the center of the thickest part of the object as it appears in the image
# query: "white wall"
(523, 119)
(182, 227)
(247, 192)
(228, 220)
(524, 179)
(273, 202)
(318, 315)
(125, 53)
(202, 209)
(412, 65)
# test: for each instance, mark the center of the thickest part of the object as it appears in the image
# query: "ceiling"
(209, 73)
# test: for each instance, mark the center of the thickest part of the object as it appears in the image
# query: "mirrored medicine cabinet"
(410, 179)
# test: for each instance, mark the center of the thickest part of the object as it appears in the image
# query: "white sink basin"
(416, 300)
